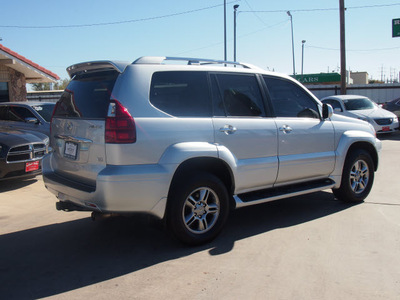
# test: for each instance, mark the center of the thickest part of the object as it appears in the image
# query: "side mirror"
(327, 111)
(31, 120)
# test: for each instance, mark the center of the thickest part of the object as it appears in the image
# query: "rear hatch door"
(78, 124)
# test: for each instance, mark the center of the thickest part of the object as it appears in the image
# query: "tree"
(41, 86)
(58, 85)
(61, 84)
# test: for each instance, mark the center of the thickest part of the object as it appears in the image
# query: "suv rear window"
(87, 96)
(181, 93)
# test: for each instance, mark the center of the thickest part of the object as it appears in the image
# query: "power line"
(116, 22)
(189, 12)
(319, 9)
(242, 35)
(354, 50)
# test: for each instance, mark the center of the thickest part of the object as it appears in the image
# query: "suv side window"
(290, 100)
(237, 95)
(181, 93)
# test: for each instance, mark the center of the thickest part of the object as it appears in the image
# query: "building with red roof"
(16, 71)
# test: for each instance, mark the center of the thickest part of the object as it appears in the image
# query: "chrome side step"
(257, 197)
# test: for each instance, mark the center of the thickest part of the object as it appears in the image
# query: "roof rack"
(157, 60)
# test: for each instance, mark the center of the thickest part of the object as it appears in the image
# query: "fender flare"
(354, 138)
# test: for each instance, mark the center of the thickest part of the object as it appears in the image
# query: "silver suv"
(188, 142)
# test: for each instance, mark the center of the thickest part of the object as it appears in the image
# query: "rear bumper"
(119, 189)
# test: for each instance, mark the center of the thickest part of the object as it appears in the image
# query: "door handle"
(228, 129)
(286, 129)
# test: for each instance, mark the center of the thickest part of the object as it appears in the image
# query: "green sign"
(395, 27)
(319, 78)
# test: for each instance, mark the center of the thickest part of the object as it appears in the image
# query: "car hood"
(342, 118)
(376, 113)
(345, 123)
(11, 137)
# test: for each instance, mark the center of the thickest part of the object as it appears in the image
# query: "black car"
(21, 153)
(34, 116)
(393, 106)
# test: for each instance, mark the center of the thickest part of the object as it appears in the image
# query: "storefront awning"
(32, 71)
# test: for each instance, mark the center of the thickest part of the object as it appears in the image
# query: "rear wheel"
(198, 208)
(357, 177)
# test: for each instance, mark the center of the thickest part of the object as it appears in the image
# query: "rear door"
(78, 126)
(242, 125)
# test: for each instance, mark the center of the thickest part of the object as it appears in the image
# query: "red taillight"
(120, 126)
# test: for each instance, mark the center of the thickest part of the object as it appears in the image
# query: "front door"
(305, 141)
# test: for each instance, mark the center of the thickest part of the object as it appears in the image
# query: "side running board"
(268, 195)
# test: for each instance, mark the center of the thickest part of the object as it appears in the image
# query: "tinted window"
(19, 114)
(181, 93)
(45, 110)
(237, 95)
(358, 104)
(4, 92)
(4, 113)
(87, 96)
(334, 103)
(290, 100)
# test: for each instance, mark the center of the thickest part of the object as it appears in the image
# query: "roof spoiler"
(103, 65)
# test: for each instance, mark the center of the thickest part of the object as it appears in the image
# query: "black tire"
(357, 177)
(198, 207)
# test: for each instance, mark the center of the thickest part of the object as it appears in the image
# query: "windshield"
(358, 104)
(45, 110)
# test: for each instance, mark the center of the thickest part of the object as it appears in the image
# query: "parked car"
(188, 142)
(393, 106)
(34, 116)
(21, 153)
(363, 108)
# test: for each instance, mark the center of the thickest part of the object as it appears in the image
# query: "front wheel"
(198, 208)
(357, 177)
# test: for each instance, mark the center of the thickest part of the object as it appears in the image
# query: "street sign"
(396, 28)
(320, 78)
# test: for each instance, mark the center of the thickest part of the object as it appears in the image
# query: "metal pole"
(342, 50)
(235, 7)
(291, 22)
(302, 57)
(225, 30)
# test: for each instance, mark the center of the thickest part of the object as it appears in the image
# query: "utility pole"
(291, 22)
(342, 49)
(302, 58)
(225, 30)
(235, 7)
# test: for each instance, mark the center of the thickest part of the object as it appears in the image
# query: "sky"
(57, 34)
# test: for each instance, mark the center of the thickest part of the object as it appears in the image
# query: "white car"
(363, 108)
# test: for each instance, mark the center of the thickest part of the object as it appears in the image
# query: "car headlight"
(395, 119)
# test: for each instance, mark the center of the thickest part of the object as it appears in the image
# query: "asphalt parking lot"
(308, 247)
